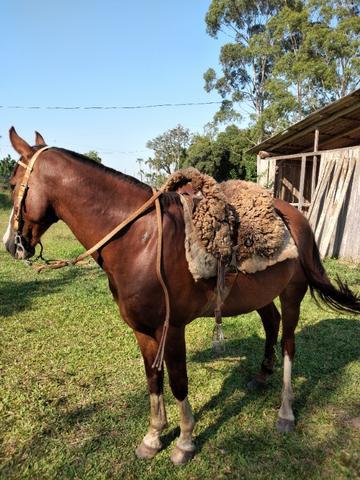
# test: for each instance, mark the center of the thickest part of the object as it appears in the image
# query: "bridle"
(24, 185)
(18, 204)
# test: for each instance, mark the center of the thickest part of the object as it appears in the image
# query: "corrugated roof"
(338, 124)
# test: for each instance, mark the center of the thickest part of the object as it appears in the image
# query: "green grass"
(73, 398)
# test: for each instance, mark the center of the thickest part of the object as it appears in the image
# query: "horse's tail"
(338, 297)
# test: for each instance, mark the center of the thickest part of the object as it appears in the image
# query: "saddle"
(230, 227)
(234, 221)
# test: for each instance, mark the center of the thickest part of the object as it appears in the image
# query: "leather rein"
(24, 186)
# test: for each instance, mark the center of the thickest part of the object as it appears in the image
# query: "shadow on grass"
(103, 434)
(323, 351)
(16, 296)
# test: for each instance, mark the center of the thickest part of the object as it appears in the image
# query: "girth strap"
(220, 287)
(224, 286)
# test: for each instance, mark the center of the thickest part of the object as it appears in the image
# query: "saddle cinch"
(230, 227)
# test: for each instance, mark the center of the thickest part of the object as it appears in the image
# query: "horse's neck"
(93, 201)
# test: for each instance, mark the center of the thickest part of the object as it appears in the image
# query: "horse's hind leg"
(175, 358)
(270, 318)
(151, 444)
(290, 310)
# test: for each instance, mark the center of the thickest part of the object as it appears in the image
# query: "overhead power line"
(101, 107)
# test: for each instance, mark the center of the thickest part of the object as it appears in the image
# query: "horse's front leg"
(151, 443)
(175, 358)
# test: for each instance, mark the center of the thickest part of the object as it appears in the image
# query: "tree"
(337, 39)
(247, 61)
(93, 155)
(286, 58)
(319, 45)
(169, 154)
(7, 165)
(223, 157)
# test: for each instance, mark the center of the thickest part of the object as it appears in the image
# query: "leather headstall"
(24, 187)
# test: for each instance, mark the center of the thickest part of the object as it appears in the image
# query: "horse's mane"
(167, 199)
(99, 166)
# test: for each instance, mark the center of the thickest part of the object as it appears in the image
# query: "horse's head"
(32, 213)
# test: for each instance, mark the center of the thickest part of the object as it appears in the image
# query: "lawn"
(73, 398)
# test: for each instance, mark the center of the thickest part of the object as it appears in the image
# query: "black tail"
(339, 297)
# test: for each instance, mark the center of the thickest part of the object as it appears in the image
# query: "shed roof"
(338, 124)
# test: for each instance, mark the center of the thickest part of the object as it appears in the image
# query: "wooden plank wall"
(345, 242)
(335, 213)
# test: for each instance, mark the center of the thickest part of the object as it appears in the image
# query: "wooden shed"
(315, 165)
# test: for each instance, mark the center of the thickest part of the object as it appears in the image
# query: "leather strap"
(117, 229)
(24, 186)
(63, 263)
(158, 362)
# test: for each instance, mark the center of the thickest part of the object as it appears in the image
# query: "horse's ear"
(19, 144)
(39, 140)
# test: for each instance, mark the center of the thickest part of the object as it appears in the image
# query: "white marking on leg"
(158, 421)
(187, 423)
(7, 234)
(287, 392)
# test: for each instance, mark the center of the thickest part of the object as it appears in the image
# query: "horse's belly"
(253, 291)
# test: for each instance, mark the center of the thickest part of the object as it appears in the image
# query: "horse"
(91, 199)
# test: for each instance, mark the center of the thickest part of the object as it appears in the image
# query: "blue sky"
(83, 53)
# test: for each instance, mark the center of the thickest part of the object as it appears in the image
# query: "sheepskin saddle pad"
(234, 220)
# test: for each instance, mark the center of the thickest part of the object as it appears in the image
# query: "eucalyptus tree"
(247, 60)
(285, 58)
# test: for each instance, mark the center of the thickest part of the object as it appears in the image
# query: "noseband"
(24, 185)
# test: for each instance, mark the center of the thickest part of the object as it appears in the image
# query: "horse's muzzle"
(18, 247)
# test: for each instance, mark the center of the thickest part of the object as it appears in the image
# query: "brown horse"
(91, 199)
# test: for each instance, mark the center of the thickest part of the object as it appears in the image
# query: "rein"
(158, 362)
(64, 263)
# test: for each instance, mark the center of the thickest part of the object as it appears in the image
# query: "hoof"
(256, 385)
(145, 453)
(181, 457)
(285, 426)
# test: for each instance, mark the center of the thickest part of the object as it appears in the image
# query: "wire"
(116, 107)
